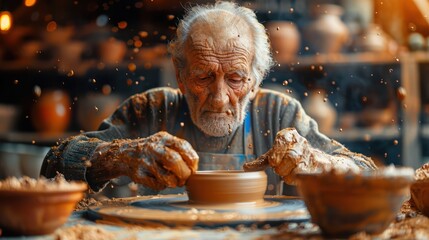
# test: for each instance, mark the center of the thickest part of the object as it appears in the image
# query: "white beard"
(222, 124)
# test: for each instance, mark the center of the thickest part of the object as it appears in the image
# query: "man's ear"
(178, 75)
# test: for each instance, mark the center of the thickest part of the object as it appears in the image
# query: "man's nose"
(219, 93)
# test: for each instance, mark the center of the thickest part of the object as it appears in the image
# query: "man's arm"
(74, 155)
(299, 146)
(307, 128)
(71, 158)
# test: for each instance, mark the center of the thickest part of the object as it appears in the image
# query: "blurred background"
(359, 67)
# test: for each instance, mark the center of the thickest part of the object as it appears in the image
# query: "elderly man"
(218, 119)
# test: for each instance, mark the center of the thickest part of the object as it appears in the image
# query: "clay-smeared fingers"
(185, 150)
(165, 176)
(145, 179)
(285, 168)
(174, 163)
(155, 162)
(258, 164)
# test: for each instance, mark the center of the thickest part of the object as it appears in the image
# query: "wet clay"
(187, 214)
(84, 232)
(420, 189)
(292, 153)
(226, 187)
(42, 184)
(158, 161)
(422, 173)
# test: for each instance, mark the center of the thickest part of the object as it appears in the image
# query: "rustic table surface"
(410, 224)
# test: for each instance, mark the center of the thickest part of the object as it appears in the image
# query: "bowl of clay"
(344, 203)
(31, 206)
(420, 195)
(420, 189)
(226, 187)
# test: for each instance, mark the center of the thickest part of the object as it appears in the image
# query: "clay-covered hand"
(291, 153)
(158, 161)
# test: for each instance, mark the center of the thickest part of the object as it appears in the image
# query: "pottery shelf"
(425, 131)
(412, 76)
(350, 58)
(411, 70)
(366, 134)
(80, 68)
(35, 138)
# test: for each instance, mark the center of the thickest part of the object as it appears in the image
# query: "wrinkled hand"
(158, 161)
(291, 153)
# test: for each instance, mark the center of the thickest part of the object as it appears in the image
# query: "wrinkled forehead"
(220, 31)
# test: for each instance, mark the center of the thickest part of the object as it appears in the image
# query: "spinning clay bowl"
(226, 187)
(346, 203)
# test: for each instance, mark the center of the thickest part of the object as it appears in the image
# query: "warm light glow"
(29, 3)
(122, 24)
(52, 26)
(5, 21)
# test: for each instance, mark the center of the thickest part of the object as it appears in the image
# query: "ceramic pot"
(285, 40)
(416, 41)
(8, 117)
(358, 15)
(343, 204)
(321, 110)
(71, 51)
(93, 108)
(326, 33)
(226, 187)
(372, 39)
(51, 113)
(59, 36)
(112, 51)
(29, 50)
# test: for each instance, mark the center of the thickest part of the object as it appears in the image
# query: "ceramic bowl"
(420, 195)
(37, 212)
(346, 203)
(226, 187)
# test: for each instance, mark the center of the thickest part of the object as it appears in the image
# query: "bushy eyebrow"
(200, 71)
(241, 73)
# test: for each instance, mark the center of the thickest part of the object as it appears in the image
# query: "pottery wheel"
(175, 210)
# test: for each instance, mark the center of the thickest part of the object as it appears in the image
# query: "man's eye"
(204, 77)
(235, 82)
(236, 79)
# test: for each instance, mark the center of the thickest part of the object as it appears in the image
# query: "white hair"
(262, 60)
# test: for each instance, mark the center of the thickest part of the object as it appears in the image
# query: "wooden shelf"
(366, 134)
(356, 58)
(79, 68)
(35, 138)
(352, 58)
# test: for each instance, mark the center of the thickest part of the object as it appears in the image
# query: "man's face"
(217, 79)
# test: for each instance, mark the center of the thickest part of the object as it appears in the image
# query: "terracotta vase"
(51, 113)
(71, 52)
(112, 51)
(326, 33)
(372, 39)
(29, 50)
(321, 110)
(285, 40)
(358, 15)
